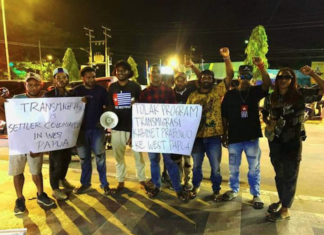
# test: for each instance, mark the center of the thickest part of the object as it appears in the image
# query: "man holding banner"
(208, 139)
(59, 160)
(17, 163)
(92, 134)
(159, 93)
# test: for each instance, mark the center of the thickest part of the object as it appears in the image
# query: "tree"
(257, 46)
(70, 63)
(133, 65)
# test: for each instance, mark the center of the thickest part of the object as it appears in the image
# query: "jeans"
(59, 161)
(171, 166)
(213, 149)
(92, 140)
(285, 159)
(253, 153)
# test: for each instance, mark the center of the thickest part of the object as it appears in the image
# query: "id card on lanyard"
(244, 111)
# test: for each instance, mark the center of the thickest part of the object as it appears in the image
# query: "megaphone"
(109, 120)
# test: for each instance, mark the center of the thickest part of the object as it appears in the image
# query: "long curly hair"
(291, 97)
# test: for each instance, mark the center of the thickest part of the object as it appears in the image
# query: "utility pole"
(107, 54)
(5, 38)
(90, 36)
(40, 59)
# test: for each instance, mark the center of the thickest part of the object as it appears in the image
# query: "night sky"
(153, 30)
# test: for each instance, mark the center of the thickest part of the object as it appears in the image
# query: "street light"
(5, 37)
(49, 57)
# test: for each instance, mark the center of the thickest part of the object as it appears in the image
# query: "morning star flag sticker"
(122, 99)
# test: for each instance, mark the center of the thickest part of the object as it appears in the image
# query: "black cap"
(124, 64)
(246, 69)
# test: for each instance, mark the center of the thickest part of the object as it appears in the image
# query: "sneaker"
(106, 190)
(81, 189)
(66, 184)
(44, 199)
(20, 206)
(59, 194)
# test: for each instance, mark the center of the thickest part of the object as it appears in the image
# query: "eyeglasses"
(284, 77)
(246, 76)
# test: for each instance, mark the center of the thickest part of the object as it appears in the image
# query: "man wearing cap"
(59, 160)
(92, 136)
(210, 130)
(241, 121)
(17, 163)
(121, 95)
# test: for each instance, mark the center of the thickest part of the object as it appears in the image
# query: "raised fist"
(307, 70)
(224, 52)
(257, 61)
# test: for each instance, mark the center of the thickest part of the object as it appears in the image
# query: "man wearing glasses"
(208, 138)
(240, 112)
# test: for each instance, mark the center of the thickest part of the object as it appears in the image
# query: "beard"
(207, 85)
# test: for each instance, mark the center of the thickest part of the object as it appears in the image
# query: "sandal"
(274, 207)
(217, 197)
(119, 188)
(277, 217)
(183, 196)
(154, 192)
(229, 195)
(257, 202)
(193, 193)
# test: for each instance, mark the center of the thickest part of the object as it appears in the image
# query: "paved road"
(132, 212)
(310, 173)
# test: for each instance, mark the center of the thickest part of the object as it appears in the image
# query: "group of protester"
(230, 117)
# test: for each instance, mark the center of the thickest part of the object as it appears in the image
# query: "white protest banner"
(43, 124)
(165, 128)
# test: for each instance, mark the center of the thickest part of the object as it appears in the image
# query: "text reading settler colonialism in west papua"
(54, 139)
(53, 108)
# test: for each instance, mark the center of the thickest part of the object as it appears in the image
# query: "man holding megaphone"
(121, 95)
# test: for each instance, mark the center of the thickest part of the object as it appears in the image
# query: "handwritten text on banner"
(165, 128)
(43, 124)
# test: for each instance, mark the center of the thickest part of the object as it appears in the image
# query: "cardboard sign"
(43, 124)
(165, 128)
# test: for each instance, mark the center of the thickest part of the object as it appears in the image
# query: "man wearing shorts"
(17, 163)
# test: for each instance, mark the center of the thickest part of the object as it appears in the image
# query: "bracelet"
(226, 58)
(261, 66)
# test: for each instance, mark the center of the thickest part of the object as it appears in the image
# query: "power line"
(36, 45)
(273, 13)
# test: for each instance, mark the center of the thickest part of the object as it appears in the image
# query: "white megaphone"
(109, 120)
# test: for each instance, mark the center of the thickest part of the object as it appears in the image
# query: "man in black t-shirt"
(121, 95)
(240, 113)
